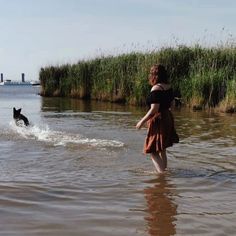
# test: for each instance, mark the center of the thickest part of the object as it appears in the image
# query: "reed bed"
(202, 77)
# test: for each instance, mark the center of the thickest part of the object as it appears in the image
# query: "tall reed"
(203, 77)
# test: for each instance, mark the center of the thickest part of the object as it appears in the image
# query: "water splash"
(58, 138)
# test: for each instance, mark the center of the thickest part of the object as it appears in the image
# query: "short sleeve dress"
(161, 132)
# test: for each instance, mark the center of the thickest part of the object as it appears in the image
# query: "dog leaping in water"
(19, 117)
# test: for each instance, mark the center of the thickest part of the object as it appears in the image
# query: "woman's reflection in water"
(161, 208)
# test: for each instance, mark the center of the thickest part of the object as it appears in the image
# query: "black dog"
(18, 116)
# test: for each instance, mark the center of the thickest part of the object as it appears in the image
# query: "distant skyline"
(36, 34)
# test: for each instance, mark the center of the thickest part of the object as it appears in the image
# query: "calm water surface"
(79, 170)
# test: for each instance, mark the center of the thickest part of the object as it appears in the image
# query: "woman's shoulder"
(161, 87)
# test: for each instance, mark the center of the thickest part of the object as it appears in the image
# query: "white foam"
(58, 138)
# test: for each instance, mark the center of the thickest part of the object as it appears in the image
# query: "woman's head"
(158, 74)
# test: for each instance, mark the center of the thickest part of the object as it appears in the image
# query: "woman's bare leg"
(163, 156)
(158, 163)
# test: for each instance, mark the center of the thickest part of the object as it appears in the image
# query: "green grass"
(204, 77)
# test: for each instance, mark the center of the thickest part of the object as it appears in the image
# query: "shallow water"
(79, 170)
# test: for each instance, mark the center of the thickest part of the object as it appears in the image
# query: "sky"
(39, 33)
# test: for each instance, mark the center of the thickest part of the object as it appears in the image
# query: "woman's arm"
(154, 109)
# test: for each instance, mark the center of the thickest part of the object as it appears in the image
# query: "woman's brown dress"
(161, 130)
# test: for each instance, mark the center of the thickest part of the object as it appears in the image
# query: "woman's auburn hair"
(161, 72)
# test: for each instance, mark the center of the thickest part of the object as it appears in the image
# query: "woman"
(161, 132)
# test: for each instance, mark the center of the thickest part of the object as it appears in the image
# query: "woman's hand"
(154, 109)
(139, 124)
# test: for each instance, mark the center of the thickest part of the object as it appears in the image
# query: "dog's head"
(16, 113)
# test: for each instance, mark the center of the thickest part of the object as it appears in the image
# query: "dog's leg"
(22, 117)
